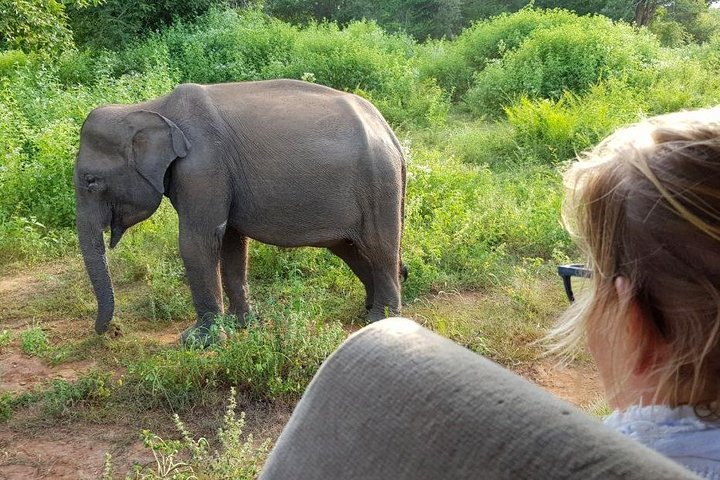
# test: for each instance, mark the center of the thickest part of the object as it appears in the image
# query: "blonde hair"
(645, 205)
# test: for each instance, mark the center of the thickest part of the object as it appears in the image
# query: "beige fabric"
(397, 401)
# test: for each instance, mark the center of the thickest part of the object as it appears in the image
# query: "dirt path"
(74, 448)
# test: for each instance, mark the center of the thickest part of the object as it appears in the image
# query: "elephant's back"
(270, 92)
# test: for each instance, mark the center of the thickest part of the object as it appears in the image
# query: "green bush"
(26, 239)
(92, 388)
(222, 46)
(34, 26)
(34, 342)
(114, 23)
(671, 33)
(555, 131)
(454, 63)
(483, 143)
(12, 59)
(352, 60)
(686, 78)
(279, 357)
(571, 57)
(467, 225)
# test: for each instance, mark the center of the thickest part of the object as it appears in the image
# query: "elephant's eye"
(92, 183)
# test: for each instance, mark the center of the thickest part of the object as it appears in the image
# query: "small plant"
(34, 342)
(10, 401)
(5, 339)
(598, 408)
(92, 388)
(237, 458)
(6, 406)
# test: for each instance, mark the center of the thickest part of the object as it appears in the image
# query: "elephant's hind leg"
(359, 265)
(385, 266)
(233, 266)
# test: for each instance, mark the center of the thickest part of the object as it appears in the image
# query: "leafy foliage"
(419, 18)
(115, 23)
(454, 63)
(34, 342)
(238, 456)
(34, 26)
(570, 57)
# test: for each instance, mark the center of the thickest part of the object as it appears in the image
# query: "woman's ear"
(649, 346)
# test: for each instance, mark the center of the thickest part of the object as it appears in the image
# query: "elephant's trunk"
(90, 234)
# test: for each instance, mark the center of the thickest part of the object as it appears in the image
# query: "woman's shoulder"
(676, 432)
(659, 420)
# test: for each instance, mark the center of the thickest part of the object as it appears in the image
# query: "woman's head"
(645, 208)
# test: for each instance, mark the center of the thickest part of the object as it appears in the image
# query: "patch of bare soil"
(76, 450)
(21, 373)
(577, 384)
(68, 452)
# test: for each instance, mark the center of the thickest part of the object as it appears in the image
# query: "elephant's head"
(119, 181)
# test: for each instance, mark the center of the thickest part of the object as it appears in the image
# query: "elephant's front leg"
(233, 266)
(201, 255)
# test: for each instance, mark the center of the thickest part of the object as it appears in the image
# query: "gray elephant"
(283, 162)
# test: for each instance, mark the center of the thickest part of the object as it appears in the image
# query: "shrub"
(62, 396)
(280, 357)
(238, 456)
(467, 225)
(454, 64)
(5, 339)
(114, 23)
(223, 46)
(26, 239)
(486, 143)
(11, 59)
(571, 57)
(555, 131)
(348, 60)
(34, 26)
(686, 78)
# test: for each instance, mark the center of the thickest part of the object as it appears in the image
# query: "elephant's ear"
(156, 143)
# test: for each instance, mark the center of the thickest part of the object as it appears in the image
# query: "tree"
(419, 18)
(37, 26)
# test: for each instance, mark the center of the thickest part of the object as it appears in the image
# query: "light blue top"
(676, 433)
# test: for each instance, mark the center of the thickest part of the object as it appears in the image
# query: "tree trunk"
(644, 12)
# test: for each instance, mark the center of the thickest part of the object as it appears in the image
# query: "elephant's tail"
(402, 267)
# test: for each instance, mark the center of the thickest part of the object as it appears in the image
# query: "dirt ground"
(75, 448)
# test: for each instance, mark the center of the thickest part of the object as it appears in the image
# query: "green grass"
(5, 338)
(34, 342)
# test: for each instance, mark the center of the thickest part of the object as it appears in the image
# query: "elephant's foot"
(203, 335)
(243, 319)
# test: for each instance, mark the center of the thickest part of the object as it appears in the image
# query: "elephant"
(282, 162)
